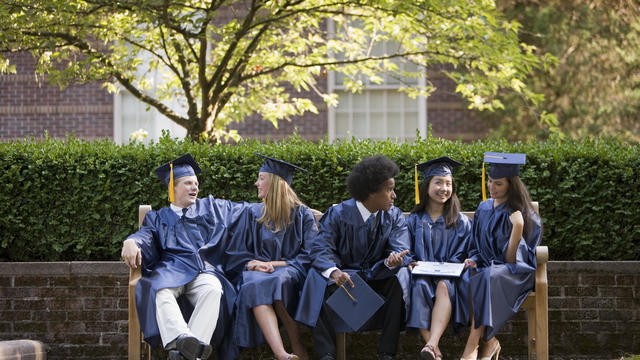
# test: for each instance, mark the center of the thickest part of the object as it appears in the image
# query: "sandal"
(428, 353)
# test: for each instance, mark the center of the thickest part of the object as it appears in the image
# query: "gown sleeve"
(145, 239)
(240, 249)
(324, 247)
(398, 241)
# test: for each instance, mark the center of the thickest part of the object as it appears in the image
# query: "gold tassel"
(415, 180)
(171, 195)
(484, 191)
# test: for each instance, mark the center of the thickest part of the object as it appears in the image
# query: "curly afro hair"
(369, 174)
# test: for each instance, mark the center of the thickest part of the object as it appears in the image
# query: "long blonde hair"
(278, 203)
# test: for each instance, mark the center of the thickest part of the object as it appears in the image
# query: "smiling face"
(499, 189)
(185, 191)
(262, 184)
(440, 189)
(383, 198)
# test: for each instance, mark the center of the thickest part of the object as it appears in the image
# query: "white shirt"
(191, 210)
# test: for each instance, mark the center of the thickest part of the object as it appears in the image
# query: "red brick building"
(31, 107)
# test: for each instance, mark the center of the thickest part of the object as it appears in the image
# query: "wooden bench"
(536, 304)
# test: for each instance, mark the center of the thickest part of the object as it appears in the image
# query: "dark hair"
(452, 206)
(518, 198)
(369, 174)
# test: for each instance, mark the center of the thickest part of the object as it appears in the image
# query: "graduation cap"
(355, 305)
(442, 166)
(502, 165)
(185, 165)
(279, 167)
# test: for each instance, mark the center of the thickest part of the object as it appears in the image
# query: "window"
(131, 115)
(379, 111)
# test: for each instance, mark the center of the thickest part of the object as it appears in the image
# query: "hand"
(516, 218)
(340, 277)
(395, 259)
(257, 265)
(131, 253)
(412, 265)
(469, 263)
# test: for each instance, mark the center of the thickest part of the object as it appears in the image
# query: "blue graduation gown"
(343, 242)
(174, 251)
(252, 241)
(432, 241)
(498, 289)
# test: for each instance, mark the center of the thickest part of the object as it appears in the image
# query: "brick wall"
(79, 310)
(446, 113)
(30, 106)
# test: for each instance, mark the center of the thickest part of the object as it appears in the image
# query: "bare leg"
(471, 348)
(426, 334)
(292, 330)
(266, 318)
(440, 314)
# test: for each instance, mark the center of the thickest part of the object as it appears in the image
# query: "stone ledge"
(598, 267)
(120, 268)
(65, 268)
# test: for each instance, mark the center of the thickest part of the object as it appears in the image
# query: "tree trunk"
(196, 129)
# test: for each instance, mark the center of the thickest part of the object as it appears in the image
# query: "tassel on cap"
(484, 190)
(171, 194)
(415, 175)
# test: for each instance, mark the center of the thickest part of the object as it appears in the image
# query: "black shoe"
(327, 356)
(188, 346)
(175, 355)
(205, 351)
(385, 356)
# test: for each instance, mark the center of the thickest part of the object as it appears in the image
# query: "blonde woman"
(268, 261)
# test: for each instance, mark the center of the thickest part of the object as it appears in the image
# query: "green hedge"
(77, 200)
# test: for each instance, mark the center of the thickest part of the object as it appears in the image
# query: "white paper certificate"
(438, 268)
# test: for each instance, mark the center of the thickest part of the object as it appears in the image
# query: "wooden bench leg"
(542, 321)
(134, 327)
(341, 346)
(531, 331)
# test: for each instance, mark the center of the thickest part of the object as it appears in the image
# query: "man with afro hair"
(365, 235)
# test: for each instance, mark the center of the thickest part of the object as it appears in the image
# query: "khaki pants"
(204, 293)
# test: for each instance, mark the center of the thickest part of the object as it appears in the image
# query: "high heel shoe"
(495, 351)
(473, 358)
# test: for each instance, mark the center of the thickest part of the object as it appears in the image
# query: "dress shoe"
(205, 351)
(175, 355)
(385, 356)
(191, 348)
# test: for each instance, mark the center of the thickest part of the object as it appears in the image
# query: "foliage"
(594, 90)
(221, 61)
(77, 200)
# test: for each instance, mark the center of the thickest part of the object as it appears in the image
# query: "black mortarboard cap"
(441, 166)
(504, 164)
(185, 165)
(279, 167)
(356, 305)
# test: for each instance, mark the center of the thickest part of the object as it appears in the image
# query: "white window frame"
(331, 117)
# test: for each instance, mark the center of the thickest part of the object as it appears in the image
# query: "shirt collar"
(178, 210)
(364, 212)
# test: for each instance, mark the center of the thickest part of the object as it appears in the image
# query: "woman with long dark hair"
(439, 233)
(506, 231)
